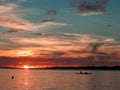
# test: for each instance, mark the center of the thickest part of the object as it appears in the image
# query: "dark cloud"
(58, 53)
(48, 20)
(13, 31)
(40, 34)
(43, 34)
(95, 47)
(79, 51)
(89, 52)
(92, 48)
(50, 53)
(89, 7)
(52, 12)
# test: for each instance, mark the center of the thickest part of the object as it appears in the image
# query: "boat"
(84, 73)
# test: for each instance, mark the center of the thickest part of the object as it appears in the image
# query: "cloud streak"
(64, 48)
(67, 42)
(13, 20)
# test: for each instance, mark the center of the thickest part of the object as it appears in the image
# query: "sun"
(25, 53)
(26, 66)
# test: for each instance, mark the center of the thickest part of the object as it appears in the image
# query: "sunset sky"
(55, 33)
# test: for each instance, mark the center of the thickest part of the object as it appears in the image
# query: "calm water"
(58, 80)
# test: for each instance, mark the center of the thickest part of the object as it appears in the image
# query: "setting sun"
(27, 67)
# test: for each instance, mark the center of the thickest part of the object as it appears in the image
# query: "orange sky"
(51, 33)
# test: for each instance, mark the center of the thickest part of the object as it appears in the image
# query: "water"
(58, 80)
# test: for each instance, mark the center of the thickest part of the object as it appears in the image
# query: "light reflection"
(26, 83)
(26, 79)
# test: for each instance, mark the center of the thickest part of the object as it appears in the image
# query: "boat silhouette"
(84, 73)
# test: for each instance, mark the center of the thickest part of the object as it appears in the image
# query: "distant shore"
(74, 68)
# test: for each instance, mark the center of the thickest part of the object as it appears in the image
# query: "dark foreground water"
(58, 80)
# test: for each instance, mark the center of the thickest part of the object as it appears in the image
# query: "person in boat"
(87, 73)
(81, 72)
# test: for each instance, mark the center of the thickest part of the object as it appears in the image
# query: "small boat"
(87, 73)
(84, 73)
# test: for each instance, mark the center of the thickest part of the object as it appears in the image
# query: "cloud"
(49, 24)
(95, 47)
(91, 7)
(48, 20)
(12, 18)
(63, 48)
(77, 45)
(52, 12)
(48, 41)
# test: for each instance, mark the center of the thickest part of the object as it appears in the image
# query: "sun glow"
(27, 67)
(25, 53)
